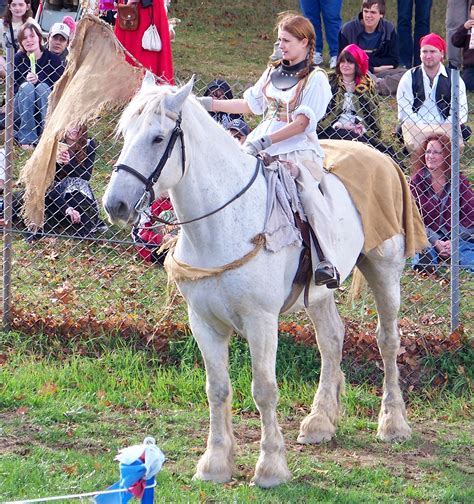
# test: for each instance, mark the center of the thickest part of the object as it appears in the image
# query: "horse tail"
(357, 285)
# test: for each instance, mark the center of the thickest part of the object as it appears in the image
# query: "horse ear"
(175, 102)
(148, 80)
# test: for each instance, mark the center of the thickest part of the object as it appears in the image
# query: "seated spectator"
(16, 13)
(220, 90)
(463, 38)
(375, 35)
(239, 129)
(58, 40)
(431, 188)
(70, 204)
(149, 236)
(353, 112)
(36, 71)
(424, 92)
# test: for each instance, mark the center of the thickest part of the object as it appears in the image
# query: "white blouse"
(314, 101)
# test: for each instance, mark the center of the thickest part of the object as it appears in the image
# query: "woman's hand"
(443, 247)
(469, 24)
(63, 157)
(74, 215)
(31, 78)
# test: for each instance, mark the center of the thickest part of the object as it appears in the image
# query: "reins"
(149, 195)
(237, 196)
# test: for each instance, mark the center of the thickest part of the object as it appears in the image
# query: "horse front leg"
(217, 462)
(271, 469)
(320, 425)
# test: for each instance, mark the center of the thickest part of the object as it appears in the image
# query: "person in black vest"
(424, 92)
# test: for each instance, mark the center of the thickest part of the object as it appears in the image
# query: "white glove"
(206, 102)
(257, 145)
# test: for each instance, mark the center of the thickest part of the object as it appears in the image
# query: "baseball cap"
(60, 29)
(239, 125)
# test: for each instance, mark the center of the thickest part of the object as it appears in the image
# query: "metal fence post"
(455, 161)
(7, 194)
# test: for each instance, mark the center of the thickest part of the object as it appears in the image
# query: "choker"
(285, 76)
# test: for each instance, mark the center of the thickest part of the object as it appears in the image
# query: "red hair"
(445, 142)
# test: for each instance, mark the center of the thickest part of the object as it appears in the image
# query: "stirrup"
(326, 274)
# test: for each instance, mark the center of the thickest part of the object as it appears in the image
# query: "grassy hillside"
(235, 38)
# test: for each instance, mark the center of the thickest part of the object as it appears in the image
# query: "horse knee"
(265, 394)
(218, 394)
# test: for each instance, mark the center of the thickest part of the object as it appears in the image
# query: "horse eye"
(157, 139)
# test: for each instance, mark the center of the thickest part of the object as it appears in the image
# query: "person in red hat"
(353, 112)
(424, 92)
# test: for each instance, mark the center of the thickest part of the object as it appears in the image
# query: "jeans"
(30, 106)
(468, 78)
(408, 45)
(466, 256)
(331, 13)
(456, 15)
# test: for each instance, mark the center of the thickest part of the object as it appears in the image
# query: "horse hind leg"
(320, 425)
(383, 269)
(217, 462)
(271, 469)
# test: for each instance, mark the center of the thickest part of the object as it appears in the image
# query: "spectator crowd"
(369, 56)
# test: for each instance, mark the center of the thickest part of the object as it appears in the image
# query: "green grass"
(63, 420)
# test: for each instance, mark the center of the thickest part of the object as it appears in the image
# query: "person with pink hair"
(353, 112)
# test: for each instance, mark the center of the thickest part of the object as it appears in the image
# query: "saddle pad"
(379, 191)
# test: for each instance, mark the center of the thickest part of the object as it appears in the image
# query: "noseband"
(149, 194)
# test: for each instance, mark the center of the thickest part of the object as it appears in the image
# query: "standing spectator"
(331, 16)
(159, 62)
(462, 38)
(456, 14)
(16, 13)
(424, 92)
(58, 40)
(375, 35)
(431, 188)
(410, 45)
(36, 71)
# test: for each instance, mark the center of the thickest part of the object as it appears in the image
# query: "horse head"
(153, 157)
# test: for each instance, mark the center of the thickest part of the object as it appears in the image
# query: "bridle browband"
(149, 194)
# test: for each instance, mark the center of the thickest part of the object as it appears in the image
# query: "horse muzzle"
(119, 211)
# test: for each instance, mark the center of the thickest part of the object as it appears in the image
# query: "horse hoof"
(393, 429)
(316, 429)
(215, 477)
(271, 471)
(213, 468)
(271, 480)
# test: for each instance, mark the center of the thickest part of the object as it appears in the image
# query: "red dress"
(160, 63)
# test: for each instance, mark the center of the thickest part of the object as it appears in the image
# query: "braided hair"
(301, 28)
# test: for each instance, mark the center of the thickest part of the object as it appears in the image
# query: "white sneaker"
(333, 62)
(318, 58)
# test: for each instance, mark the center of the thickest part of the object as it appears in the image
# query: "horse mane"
(147, 101)
(150, 101)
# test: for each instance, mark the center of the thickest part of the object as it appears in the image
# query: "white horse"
(203, 167)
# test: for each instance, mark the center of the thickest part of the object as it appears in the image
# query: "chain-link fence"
(79, 275)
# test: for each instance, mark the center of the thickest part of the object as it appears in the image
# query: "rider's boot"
(327, 274)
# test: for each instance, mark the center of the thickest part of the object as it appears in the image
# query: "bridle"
(149, 194)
